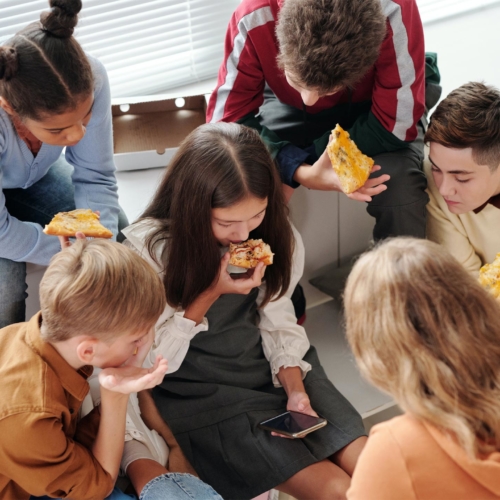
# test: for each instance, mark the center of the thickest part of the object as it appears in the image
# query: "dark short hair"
(43, 69)
(469, 117)
(327, 44)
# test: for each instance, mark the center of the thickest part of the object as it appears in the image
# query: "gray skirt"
(224, 389)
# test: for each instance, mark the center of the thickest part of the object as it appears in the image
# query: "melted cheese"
(489, 276)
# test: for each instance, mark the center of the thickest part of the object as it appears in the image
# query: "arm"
(381, 472)
(284, 341)
(398, 100)
(92, 158)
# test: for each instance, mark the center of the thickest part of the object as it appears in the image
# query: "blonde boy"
(99, 302)
(463, 174)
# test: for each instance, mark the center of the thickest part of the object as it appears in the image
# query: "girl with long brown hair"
(236, 354)
(424, 331)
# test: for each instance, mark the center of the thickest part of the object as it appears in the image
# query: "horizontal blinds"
(148, 46)
(433, 10)
(151, 46)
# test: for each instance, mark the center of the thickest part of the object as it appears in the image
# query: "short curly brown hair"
(327, 44)
(469, 117)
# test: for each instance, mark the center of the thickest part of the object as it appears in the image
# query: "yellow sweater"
(406, 459)
(472, 238)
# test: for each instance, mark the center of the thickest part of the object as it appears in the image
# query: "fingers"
(79, 235)
(64, 241)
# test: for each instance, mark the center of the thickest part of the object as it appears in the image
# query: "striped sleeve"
(398, 100)
(240, 84)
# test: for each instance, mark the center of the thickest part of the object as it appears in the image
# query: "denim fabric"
(171, 486)
(53, 193)
(179, 487)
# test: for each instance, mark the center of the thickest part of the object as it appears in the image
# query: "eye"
(463, 181)
(435, 169)
(223, 225)
(55, 132)
(259, 216)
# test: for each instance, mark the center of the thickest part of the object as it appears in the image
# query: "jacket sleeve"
(51, 463)
(284, 341)
(381, 472)
(398, 100)
(92, 158)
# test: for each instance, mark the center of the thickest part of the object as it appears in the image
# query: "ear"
(86, 350)
(6, 107)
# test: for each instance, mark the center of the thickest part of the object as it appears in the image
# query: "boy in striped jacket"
(293, 69)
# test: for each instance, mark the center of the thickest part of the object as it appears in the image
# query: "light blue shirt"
(93, 177)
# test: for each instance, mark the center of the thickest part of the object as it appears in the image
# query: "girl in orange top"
(425, 332)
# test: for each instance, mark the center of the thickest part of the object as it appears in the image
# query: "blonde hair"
(99, 288)
(423, 330)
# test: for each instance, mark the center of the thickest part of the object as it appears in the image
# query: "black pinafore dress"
(223, 389)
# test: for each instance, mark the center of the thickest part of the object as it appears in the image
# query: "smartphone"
(293, 424)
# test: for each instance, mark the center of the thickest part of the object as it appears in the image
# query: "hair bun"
(62, 18)
(8, 62)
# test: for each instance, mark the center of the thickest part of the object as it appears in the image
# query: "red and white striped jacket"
(395, 84)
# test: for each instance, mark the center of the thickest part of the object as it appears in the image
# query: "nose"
(446, 188)
(241, 232)
(75, 134)
(309, 97)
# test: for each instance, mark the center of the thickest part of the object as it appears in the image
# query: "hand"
(298, 401)
(128, 379)
(242, 284)
(321, 176)
(66, 243)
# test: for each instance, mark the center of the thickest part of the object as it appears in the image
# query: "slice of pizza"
(249, 253)
(79, 220)
(350, 164)
(489, 276)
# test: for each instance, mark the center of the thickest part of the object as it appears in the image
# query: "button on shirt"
(40, 397)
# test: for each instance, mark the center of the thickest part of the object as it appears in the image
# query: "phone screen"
(291, 423)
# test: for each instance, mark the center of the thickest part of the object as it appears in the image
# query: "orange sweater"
(406, 459)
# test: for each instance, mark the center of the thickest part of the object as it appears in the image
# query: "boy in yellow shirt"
(463, 174)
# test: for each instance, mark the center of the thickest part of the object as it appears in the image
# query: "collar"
(494, 200)
(73, 381)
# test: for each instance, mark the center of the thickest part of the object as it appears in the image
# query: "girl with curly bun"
(52, 96)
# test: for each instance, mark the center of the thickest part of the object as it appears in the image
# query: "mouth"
(450, 202)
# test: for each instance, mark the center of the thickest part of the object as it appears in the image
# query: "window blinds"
(151, 46)
(147, 46)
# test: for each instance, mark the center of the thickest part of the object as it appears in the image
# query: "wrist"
(302, 174)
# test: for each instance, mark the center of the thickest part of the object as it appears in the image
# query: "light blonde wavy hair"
(423, 330)
(99, 288)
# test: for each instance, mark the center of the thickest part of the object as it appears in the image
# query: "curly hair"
(423, 330)
(469, 117)
(327, 44)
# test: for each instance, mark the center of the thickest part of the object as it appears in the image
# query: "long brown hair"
(423, 330)
(43, 69)
(216, 166)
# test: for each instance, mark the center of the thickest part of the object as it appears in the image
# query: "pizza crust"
(489, 276)
(350, 164)
(249, 253)
(79, 220)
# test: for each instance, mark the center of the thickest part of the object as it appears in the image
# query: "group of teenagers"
(191, 356)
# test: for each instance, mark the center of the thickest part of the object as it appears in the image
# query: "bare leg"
(347, 457)
(320, 481)
(141, 471)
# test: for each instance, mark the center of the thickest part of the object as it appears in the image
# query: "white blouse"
(284, 341)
